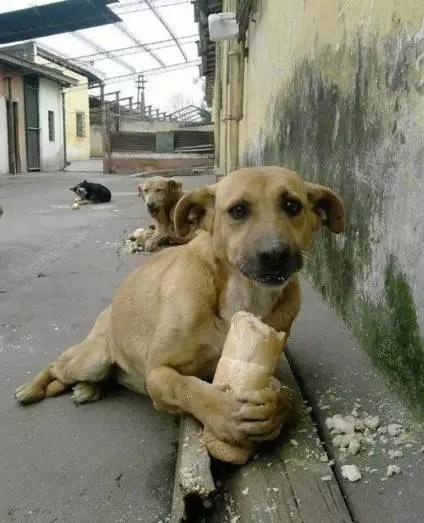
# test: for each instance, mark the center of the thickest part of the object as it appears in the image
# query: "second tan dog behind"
(161, 196)
(164, 332)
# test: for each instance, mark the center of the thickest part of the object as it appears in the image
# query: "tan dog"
(165, 330)
(161, 196)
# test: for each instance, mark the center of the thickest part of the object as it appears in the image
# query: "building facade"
(76, 100)
(31, 112)
(76, 115)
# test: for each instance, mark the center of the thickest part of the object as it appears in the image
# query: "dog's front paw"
(264, 412)
(85, 392)
(154, 243)
(29, 393)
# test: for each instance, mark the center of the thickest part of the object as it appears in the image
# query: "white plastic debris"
(355, 413)
(294, 443)
(327, 478)
(354, 446)
(351, 473)
(394, 429)
(392, 470)
(395, 454)
(341, 425)
(372, 422)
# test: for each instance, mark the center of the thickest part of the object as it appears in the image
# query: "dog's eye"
(291, 206)
(239, 211)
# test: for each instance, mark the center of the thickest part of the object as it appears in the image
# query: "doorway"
(32, 123)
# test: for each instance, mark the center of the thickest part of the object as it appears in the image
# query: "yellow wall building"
(76, 98)
(77, 120)
(77, 111)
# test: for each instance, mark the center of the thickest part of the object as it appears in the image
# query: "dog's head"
(159, 193)
(262, 220)
(81, 189)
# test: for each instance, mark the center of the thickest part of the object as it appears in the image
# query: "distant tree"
(178, 101)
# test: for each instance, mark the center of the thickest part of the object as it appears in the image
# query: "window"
(80, 125)
(51, 126)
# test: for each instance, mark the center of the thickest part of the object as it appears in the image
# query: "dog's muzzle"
(81, 192)
(153, 210)
(273, 266)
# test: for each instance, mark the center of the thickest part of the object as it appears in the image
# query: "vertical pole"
(118, 110)
(10, 133)
(217, 102)
(107, 156)
(65, 154)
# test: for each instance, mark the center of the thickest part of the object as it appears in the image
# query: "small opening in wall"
(80, 125)
(51, 126)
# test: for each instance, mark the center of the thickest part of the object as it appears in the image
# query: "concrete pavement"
(109, 461)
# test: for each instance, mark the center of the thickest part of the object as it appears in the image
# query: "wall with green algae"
(350, 114)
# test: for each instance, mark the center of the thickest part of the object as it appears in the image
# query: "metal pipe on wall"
(65, 151)
(234, 114)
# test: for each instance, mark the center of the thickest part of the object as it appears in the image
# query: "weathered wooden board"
(284, 482)
(193, 479)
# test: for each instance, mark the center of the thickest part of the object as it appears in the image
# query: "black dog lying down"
(88, 192)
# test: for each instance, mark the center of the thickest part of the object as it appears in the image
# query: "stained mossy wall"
(335, 91)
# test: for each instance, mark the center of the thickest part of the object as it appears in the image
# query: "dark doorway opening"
(32, 122)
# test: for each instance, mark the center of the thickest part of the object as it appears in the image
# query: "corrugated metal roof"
(56, 18)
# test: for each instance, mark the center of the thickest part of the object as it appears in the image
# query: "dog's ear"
(328, 206)
(198, 205)
(173, 185)
(140, 191)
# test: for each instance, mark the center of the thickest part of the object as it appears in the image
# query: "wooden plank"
(194, 484)
(284, 482)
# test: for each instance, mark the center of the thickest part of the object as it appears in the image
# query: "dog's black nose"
(151, 207)
(276, 259)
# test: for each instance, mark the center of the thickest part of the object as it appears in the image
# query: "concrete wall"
(128, 163)
(76, 100)
(335, 90)
(50, 99)
(96, 141)
(132, 124)
(4, 151)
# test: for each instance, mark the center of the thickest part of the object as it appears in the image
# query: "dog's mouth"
(270, 279)
(153, 211)
(272, 276)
